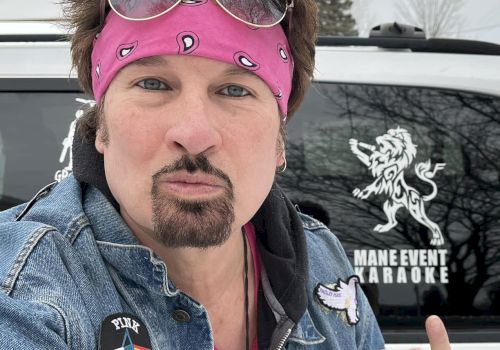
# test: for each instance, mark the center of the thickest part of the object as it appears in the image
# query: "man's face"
(190, 148)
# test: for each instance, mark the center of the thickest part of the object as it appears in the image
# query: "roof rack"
(401, 36)
(33, 37)
(387, 36)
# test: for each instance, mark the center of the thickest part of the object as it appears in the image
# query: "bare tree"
(458, 128)
(336, 18)
(438, 18)
(365, 18)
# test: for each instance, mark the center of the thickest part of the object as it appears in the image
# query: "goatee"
(181, 223)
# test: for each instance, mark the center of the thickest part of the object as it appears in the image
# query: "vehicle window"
(33, 126)
(409, 179)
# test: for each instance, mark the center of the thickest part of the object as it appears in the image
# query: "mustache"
(199, 162)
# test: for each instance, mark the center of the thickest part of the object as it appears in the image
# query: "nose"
(194, 128)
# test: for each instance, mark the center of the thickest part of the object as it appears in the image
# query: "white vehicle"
(396, 148)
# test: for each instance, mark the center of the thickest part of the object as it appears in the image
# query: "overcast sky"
(480, 18)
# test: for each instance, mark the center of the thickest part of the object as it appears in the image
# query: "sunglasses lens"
(258, 12)
(140, 9)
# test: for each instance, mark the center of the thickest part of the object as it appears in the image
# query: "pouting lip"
(197, 178)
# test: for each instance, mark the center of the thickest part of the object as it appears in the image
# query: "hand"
(436, 332)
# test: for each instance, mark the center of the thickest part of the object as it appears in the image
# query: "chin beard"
(180, 223)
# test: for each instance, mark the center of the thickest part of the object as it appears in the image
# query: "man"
(172, 234)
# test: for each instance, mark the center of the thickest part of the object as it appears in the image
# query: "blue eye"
(152, 84)
(235, 91)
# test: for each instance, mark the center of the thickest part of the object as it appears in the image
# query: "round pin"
(124, 331)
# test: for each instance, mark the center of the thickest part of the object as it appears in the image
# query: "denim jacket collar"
(121, 249)
(107, 223)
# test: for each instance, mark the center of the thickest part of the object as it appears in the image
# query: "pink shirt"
(250, 231)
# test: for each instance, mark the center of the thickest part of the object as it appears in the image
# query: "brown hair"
(85, 23)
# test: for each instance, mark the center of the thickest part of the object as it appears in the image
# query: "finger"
(436, 332)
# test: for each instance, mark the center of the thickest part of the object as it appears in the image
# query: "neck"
(205, 274)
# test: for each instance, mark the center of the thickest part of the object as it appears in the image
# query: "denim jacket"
(68, 260)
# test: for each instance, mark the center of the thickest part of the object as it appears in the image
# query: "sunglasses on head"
(257, 13)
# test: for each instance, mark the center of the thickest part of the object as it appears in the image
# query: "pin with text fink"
(123, 331)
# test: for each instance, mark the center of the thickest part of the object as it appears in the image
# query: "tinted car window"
(428, 163)
(33, 126)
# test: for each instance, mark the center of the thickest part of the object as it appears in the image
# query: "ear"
(99, 143)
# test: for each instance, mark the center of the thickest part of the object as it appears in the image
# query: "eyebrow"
(235, 71)
(152, 61)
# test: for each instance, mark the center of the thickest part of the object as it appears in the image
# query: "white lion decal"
(394, 155)
(67, 143)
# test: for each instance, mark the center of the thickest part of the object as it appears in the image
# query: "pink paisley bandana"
(199, 28)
